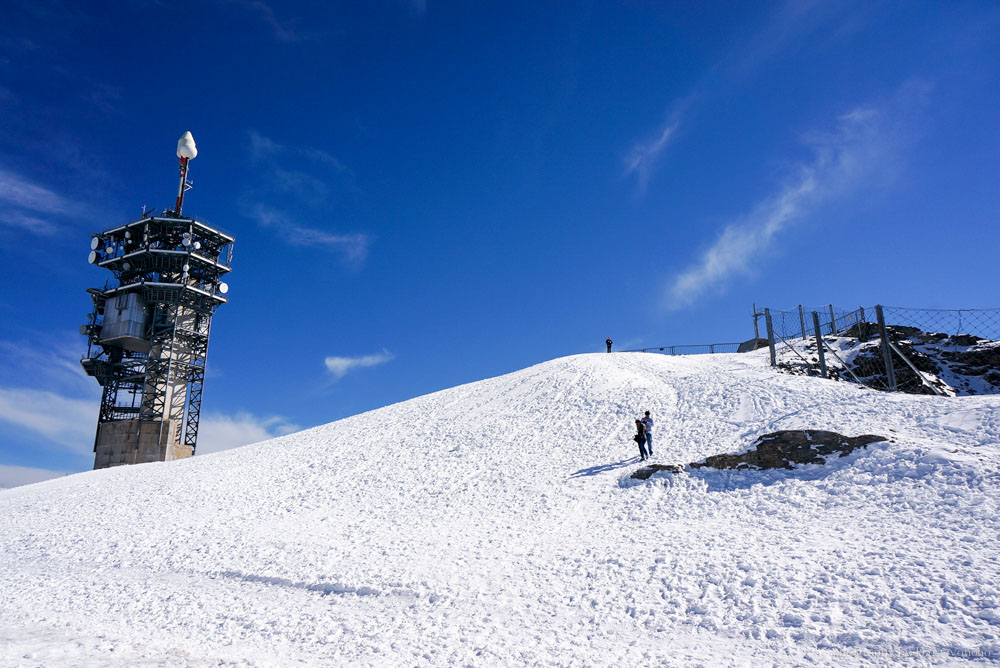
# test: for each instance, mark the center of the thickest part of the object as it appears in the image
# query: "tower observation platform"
(147, 337)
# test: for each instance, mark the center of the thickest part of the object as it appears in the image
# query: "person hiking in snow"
(609, 344)
(647, 423)
(640, 438)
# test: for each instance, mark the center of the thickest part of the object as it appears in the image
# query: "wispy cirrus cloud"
(341, 366)
(858, 153)
(29, 206)
(312, 182)
(264, 148)
(353, 247)
(644, 155)
(789, 24)
(283, 31)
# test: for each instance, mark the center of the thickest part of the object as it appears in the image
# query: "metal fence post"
(819, 345)
(833, 321)
(770, 335)
(890, 373)
(802, 321)
(862, 309)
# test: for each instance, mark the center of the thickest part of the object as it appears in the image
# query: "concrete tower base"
(134, 442)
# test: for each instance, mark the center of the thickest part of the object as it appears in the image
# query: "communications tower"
(147, 338)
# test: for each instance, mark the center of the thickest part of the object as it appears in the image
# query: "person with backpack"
(640, 438)
(647, 423)
(608, 342)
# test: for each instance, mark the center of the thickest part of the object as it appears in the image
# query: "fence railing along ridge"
(710, 346)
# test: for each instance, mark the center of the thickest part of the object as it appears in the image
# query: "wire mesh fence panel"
(855, 349)
(924, 351)
(853, 323)
(846, 342)
(791, 324)
(787, 324)
(955, 351)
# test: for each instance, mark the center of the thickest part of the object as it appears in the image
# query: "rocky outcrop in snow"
(777, 450)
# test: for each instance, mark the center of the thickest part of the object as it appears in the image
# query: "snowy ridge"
(494, 524)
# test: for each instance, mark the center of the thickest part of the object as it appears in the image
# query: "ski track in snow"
(495, 523)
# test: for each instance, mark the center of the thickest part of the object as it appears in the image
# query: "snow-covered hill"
(495, 524)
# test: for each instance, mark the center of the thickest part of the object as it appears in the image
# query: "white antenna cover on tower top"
(186, 147)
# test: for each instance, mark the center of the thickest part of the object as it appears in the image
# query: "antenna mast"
(186, 151)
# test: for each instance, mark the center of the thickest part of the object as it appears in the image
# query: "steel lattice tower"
(148, 333)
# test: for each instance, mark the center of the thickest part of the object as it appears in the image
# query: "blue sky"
(426, 194)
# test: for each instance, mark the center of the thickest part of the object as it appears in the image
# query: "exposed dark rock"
(964, 339)
(777, 450)
(862, 331)
(646, 471)
(785, 449)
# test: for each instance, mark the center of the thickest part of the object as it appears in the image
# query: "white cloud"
(68, 422)
(314, 188)
(218, 432)
(53, 360)
(25, 205)
(15, 476)
(262, 147)
(644, 155)
(353, 247)
(789, 24)
(857, 154)
(284, 31)
(68, 416)
(17, 191)
(72, 422)
(340, 366)
(27, 222)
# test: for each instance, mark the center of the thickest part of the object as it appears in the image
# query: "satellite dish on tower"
(186, 147)
(94, 243)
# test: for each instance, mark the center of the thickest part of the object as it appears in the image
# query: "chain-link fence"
(946, 352)
(797, 323)
(694, 349)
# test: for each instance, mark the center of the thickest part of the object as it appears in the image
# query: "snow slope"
(495, 524)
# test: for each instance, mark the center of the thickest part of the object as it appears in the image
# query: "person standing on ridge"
(640, 438)
(609, 344)
(647, 423)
